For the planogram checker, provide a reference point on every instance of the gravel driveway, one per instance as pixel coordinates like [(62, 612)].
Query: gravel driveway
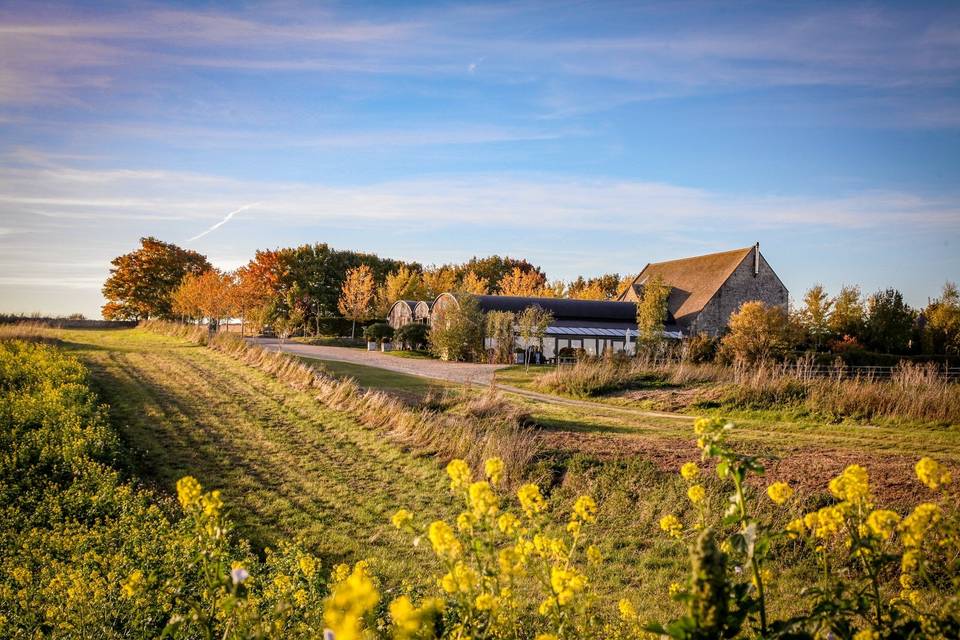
[(459, 372)]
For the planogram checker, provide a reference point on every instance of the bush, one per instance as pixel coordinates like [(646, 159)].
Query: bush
[(379, 332), (413, 335), (457, 330)]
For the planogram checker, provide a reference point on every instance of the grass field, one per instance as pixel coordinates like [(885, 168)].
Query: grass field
[(291, 468), (288, 467), (408, 387)]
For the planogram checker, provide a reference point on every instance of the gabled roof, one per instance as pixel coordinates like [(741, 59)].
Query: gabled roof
[(693, 281)]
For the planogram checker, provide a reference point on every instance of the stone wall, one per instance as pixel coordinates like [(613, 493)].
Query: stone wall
[(742, 286)]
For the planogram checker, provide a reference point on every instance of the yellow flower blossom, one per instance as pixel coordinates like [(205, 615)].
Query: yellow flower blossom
[(910, 561), (852, 485), (340, 573), (675, 588), (696, 494), (484, 602), (779, 492), (188, 491), (825, 522), (493, 468), (445, 543), (508, 524), (566, 583), (628, 613), (308, 565), (932, 473), (351, 600), (585, 509), (882, 523), (593, 555), (402, 519), (546, 636), (461, 578), (671, 524), (531, 499), (459, 473), (483, 501), (689, 471), (466, 521), (133, 584), (916, 525), (866, 634), (796, 528)]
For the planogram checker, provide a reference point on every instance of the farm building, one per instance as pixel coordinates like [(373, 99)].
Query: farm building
[(401, 313), (706, 290), (591, 325), (421, 313)]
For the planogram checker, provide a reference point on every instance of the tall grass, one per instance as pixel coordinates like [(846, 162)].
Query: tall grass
[(486, 427), (914, 392)]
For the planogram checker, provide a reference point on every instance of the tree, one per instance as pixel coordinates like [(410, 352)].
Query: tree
[(286, 324), (494, 268), (413, 335), (555, 289), (472, 283), (889, 322), (652, 314), (403, 284), (500, 330), (356, 298), (758, 333), (532, 326), (379, 332), (522, 283), (815, 315), (206, 295), (437, 280), (942, 333), (602, 287), (457, 330), (141, 283), (848, 316)]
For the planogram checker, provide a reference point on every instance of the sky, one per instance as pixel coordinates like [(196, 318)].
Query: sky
[(587, 137)]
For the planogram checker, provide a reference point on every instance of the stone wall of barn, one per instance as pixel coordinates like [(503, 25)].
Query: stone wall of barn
[(742, 286)]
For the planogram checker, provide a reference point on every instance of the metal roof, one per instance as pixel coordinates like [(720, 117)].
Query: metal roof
[(563, 308), (601, 332)]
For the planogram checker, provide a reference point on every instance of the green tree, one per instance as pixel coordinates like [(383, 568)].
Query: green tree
[(758, 333), (889, 322), (141, 283), (457, 330), (942, 334), (500, 329), (652, 314), (532, 325), (849, 315), (815, 314)]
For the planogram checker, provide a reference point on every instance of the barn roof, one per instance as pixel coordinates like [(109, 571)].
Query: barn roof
[(693, 281), (564, 309), (412, 304)]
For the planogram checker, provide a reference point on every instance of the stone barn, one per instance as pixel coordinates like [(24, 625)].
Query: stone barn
[(401, 313), (706, 290)]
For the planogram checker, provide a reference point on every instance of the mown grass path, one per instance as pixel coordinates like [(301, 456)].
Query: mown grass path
[(287, 466)]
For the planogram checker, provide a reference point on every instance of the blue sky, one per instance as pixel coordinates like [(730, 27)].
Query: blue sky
[(588, 137)]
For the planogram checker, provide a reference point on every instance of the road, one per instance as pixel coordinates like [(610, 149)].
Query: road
[(457, 372)]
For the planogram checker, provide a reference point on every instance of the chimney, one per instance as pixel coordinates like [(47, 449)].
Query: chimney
[(756, 260)]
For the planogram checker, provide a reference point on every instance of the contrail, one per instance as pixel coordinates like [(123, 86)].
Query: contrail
[(224, 221)]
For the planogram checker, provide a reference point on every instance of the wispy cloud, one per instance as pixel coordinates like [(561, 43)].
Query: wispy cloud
[(225, 220)]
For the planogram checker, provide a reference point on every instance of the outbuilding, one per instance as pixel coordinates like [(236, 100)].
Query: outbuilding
[(401, 313)]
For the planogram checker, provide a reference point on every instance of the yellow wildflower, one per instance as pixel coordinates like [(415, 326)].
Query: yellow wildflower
[(459, 473), (671, 524), (593, 555), (531, 499), (866, 634), (825, 522), (689, 470), (675, 588), (188, 491), (573, 528), (779, 492), (915, 526), (348, 604), (585, 509), (696, 493), (508, 523), (465, 522), (461, 578), (545, 636), (133, 584), (308, 565), (851, 485), (211, 504), (483, 500), (493, 468), (402, 519), (796, 528), (628, 612), (445, 543), (910, 561), (566, 584), (484, 602), (882, 523), (340, 573), (932, 473)]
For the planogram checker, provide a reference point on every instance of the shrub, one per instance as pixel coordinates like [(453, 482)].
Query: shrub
[(379, 332), (758, 333), (457, 330), (413, 335)]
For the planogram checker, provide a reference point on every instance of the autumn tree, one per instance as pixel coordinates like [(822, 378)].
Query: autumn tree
[(943, 322), (889, 322), (815, 314), (758, 333), (849, 315), (554, 289), (437, 280), (141, 283), (522, 283), (403, 284), (494, 268), (356, 297), (602, 287), (532, 324), (207, 295), (472, 283), (652, 314)]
